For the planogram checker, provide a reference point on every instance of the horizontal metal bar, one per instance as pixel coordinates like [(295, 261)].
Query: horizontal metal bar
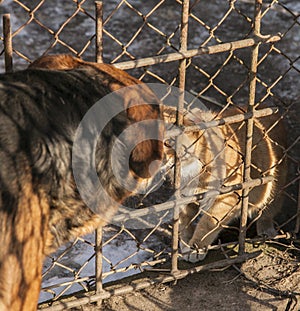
[(226, 120), (106, 274), (67, 283), (63, 305), (256, 240), (224, 47), (144, 265), (133, 214)]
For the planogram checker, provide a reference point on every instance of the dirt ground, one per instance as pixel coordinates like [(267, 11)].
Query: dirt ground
[(271, 281), (224, 290)]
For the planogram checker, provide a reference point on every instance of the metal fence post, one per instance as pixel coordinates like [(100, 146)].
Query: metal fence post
[(99, 231), (179, 123), (7, 43), (249, 129), (297, 225), (99, 31)]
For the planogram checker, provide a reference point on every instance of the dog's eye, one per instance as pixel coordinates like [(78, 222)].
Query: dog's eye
[(168, 143)]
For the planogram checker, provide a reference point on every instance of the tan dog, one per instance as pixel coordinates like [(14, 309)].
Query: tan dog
[(214, 158), (40, 207)]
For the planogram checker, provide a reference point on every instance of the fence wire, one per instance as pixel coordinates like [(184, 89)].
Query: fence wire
[(239, 55)]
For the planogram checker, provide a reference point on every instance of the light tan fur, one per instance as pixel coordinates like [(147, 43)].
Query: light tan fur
[(220, 152)]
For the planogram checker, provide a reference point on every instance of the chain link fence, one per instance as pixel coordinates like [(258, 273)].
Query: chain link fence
[(236, 53)]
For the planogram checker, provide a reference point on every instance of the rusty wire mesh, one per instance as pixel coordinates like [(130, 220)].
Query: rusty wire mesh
[(218, 56)]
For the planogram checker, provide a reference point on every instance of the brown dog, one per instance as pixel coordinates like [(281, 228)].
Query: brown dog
[(40, 207)]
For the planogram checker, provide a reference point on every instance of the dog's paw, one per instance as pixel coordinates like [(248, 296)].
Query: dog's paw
[(192, 255)]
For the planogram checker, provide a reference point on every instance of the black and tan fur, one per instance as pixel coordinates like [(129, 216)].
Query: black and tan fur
[(40, 207)]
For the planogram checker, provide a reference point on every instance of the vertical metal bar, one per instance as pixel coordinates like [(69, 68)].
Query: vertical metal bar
[(179, 122), (99, 31), (99, 231), (250, 123), (8, 51), (99, 262), (297, 226)]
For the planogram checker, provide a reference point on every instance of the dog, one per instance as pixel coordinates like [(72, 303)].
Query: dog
[(213, 158), (40, 205)]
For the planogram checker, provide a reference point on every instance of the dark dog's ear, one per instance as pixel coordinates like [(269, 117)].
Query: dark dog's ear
[(141, 104)]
